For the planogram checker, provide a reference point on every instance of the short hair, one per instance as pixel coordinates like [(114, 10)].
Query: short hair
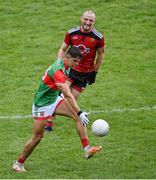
[(74, 52), (90, 12)]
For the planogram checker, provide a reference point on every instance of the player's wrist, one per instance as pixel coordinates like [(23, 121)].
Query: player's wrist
[(79, 113)]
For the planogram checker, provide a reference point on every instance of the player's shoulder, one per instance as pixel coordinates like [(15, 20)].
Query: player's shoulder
[(97, 33), (73, 30)]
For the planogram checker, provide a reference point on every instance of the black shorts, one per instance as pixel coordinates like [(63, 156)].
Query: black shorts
[(79, 80)]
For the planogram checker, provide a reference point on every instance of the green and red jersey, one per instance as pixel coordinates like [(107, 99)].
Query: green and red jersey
[(48, 91)]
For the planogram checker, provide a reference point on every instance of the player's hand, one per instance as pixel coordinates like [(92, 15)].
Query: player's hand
[(92, 77), (83, 117)]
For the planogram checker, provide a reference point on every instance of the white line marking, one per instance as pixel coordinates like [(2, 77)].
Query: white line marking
[(118, 110), (16, 117), (107, 111)]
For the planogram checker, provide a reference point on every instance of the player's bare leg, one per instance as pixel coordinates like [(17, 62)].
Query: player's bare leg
[(65, 109), (38, 132), (76, 94)]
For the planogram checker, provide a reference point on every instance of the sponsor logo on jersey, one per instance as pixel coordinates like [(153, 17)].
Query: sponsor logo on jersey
[(83, 49)]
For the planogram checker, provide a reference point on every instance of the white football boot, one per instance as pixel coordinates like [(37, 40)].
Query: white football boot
[(18, 167)]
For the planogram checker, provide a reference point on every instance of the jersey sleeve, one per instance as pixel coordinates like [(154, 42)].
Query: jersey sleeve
[(101, 43), (67, 39), (59, 76)]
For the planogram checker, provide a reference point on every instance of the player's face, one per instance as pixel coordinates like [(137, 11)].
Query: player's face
[(87, 22), (72, 62)]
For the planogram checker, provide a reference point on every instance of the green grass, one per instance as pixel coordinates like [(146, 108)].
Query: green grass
[(31, 33)]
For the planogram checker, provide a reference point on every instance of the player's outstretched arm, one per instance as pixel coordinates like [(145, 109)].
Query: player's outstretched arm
[(64, 88)]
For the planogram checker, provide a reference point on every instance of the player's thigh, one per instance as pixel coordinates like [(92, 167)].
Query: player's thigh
[(64, 109), (38, 127)]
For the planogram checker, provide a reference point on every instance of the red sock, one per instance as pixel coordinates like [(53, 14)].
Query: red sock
[(48, 123), (85, 142), (20, 160)]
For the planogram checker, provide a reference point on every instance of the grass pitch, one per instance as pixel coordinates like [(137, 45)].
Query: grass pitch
[(31, 33)]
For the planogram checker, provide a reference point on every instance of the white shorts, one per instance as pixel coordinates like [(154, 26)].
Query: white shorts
[(46, 112)]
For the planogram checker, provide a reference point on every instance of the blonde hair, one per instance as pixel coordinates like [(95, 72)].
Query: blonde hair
[(89, 12)]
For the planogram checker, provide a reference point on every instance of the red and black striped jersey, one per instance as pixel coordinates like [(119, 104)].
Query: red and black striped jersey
[(88, 43)]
